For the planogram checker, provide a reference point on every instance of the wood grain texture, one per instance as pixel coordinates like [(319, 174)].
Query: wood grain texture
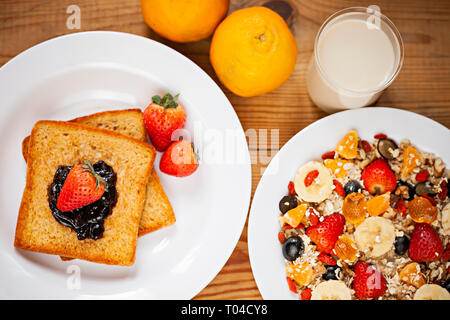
[(423, 85)]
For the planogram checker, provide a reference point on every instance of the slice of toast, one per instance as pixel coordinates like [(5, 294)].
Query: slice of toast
[(56, 143), (158, 212)]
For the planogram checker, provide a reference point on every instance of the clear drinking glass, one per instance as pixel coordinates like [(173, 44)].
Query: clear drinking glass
[(358, 52)]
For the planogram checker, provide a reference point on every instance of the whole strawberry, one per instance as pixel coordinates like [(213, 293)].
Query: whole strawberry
[(82, 186), (378, 177), (179, 159), (368, 282), (425, 244), (161, 118), (325, 233)]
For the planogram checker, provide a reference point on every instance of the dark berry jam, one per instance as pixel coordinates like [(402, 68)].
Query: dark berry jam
[(87, 221)]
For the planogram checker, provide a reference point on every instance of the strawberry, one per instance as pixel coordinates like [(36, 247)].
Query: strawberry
[(378, 177), (291, 188), (425, 244), (446, 254), (82, 186), (179, 159), (368, 282), (326, 259), (161, 118), (325, 233)]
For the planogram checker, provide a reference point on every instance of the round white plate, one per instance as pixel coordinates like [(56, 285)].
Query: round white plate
[(266, 259), (82, 73)]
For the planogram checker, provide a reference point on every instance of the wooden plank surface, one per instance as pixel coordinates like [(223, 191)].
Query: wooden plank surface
[(423, 85)]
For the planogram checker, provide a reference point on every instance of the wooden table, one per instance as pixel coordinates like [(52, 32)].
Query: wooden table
[(423, 85)]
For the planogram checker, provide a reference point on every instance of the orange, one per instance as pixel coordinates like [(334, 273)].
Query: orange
[(354, 208), (337, 167), (421, 210), (411, 274), (184, 20), (302, 274), (411, 160), (294, 216), (378, 204), (345, 248), (253, 51), (348, 147)]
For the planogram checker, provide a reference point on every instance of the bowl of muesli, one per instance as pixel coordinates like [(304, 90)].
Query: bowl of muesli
[(354, 207)]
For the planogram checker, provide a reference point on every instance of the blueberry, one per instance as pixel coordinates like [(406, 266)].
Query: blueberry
[(411, 189), (331, 273), (352, 186), (401, 245), (293, 248), (287, 203), (446, 284)]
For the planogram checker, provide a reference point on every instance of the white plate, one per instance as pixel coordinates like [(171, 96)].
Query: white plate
[(266, 259), (82, 73)]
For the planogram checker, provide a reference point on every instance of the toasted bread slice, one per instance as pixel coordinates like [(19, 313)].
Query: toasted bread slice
[(158, 212), (56, 143)]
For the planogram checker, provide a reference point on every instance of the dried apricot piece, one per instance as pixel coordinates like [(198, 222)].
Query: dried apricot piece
[(294, 216), (411, 160), (302, 274), (347, 148), (345, 248), (379, 204), (421, 210), (337, 167), (354, 208), (411, 274)]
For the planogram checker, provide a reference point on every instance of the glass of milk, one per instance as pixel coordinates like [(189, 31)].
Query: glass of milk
[(358, 52)]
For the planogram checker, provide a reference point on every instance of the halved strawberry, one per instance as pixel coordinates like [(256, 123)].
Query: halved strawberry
[(161, 118), (425, 244), (179, 159), (82, 186), (378, 177), (325, 233), (368, 282)]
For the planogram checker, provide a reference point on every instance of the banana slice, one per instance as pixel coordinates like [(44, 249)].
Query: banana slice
[(321, 187), (375, 236), (431, 292), (446, 219), (331, 290)]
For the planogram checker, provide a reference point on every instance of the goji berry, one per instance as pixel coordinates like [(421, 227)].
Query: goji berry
[(401, 208), (339, 188), (444, 191), (291, 285), (422, 175), (429, 198), (366, 146), (309, 179), (281, 237), (291, 188), (328, 155), (306, 294), (313, 219), (380, 136)]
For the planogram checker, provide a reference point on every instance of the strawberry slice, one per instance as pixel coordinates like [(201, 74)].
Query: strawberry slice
[(325, 233), (425, 244), (378, 177), (82, 186), (179, 159)]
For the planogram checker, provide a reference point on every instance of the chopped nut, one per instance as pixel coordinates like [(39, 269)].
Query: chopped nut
[(439, 167)]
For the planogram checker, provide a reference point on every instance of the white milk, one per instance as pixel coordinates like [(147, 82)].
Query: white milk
[(354, 61)]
